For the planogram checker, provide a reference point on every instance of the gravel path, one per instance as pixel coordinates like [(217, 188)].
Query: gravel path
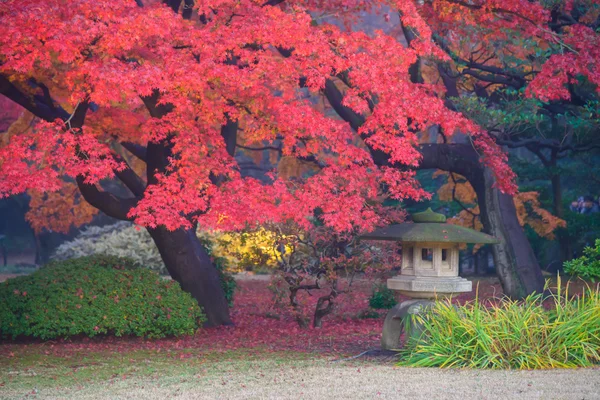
[(347, 380)]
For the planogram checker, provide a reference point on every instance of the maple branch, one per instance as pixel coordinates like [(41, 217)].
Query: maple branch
[(188, 8), (411, 34), (229, 134), (136, 149), (173, 4), (129, 178), (497, 71), (335, 98), (47, 98), (156, 110), (493, 78), (548, 144), (259, 148), (108, 203), (76, 120), (272, 3), (38, 108), (157, 154)]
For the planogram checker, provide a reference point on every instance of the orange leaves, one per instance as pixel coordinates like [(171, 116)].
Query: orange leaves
[(58, 211), (290, 167), (457, 187), (529, 210), (531, 213)]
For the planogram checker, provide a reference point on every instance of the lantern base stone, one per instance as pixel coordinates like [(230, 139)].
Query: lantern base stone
[(400, 318), (424, 287)]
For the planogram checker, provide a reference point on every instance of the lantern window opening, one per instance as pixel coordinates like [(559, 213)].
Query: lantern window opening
[(427, 255)]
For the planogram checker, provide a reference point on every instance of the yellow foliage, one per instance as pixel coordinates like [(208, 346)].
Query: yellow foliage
[(19, 126), (469, 219), (289, 167), (246, 250)]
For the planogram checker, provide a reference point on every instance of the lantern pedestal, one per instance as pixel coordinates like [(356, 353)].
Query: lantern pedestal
[(425, 287)]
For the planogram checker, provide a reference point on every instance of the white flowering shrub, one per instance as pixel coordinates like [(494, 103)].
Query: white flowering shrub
[(122, 239)]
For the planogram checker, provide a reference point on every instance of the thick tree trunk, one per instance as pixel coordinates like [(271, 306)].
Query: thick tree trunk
[(515, 261), (189, 264)]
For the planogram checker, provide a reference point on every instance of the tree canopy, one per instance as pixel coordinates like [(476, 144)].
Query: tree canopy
[(179, 90)]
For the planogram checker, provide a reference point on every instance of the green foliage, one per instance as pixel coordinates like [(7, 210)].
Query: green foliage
[(95, 295), (382, 298), (511, 334), (126, 240), (582, 229), (588, 265)]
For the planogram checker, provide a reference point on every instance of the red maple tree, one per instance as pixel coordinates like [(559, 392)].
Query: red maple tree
[(179, 85)]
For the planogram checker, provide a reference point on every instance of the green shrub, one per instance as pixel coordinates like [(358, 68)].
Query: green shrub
[(588, 265), (520, 335), (382, 298), (95, 295)]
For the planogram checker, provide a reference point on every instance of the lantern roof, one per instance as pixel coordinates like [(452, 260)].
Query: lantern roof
[(430, 226)]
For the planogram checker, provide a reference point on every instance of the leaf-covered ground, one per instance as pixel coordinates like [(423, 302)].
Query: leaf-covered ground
[(258, 324)]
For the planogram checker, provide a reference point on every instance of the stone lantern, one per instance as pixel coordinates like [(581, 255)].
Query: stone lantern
[(429, 267)]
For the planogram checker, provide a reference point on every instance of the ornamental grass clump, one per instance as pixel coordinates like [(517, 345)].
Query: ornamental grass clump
[(536, 333), (95, 295)]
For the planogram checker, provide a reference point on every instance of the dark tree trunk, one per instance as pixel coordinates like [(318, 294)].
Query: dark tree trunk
[(190, 265), (566, 249), (516, 264), (557, 196)]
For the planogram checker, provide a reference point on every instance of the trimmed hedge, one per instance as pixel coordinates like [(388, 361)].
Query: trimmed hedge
[(96, 295)]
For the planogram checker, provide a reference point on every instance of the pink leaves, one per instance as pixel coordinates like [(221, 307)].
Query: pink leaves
[(580, 57), (36, 159), (244, 64)]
